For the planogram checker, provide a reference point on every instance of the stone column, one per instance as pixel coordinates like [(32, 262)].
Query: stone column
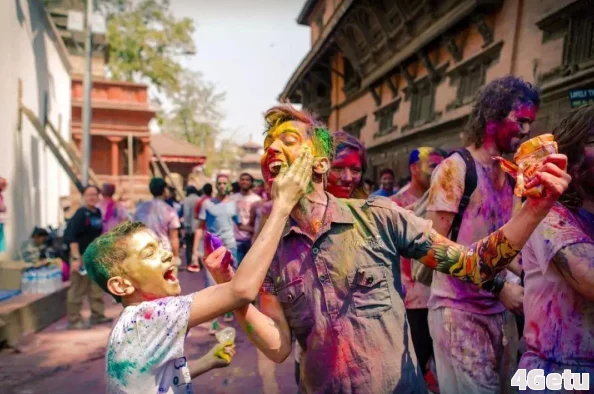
[(144, 159), (115, 155)]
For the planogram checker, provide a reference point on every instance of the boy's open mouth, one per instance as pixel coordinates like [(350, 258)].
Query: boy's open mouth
[(274, 167), (170, 275)]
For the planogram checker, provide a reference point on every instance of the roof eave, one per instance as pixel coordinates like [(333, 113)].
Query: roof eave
[(308, 7)]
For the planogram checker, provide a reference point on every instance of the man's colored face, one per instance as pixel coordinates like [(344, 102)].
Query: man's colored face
[(245, 183), (149, 267), (282, 146), (387, 182), (223, 185), (345, 173), (511, 132), (91, 197), (3, 184), (425, 167)]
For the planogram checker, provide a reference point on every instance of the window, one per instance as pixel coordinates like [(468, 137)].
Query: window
[(355, 128), (421, 108), (579, 45), (351, 80), (385, 118)]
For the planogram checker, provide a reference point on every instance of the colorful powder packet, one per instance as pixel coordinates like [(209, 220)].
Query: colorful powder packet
[(212, 243), (226, 337), (527, 161)]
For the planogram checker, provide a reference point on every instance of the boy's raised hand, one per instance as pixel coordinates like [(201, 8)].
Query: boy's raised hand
[(220, 270)]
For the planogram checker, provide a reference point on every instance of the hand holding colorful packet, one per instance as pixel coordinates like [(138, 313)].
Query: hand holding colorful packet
[(212, 243), (527, 161)]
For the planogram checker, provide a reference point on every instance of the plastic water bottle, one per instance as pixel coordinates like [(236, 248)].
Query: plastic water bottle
[(25, 283)]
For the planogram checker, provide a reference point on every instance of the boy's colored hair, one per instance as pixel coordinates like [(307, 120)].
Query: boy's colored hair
[(321, 137), (104, 256)]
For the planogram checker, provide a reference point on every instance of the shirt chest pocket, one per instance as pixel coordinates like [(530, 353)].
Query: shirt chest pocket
[(294, 303), (371, 295)]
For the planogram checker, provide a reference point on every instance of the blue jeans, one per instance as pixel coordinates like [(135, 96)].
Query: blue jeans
[(209, 280), (242, 248)]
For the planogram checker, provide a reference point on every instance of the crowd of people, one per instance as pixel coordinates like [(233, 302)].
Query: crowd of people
[(432, 285)]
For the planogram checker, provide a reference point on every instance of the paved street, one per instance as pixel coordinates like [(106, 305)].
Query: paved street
[(65, 362)]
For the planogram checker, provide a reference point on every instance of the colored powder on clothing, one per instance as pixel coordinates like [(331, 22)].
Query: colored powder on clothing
[(119, 369)]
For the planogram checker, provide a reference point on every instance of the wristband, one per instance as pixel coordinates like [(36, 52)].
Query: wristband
[(75, 258), (494, 285)]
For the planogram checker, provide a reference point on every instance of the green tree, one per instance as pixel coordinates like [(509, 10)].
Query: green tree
[(147, 42), (193, 112)]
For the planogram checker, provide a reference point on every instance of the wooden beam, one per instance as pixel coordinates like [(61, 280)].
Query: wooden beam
[(377, 94), (452, 47), (57, 154), (483, 28), (167, 172), (392, 86)]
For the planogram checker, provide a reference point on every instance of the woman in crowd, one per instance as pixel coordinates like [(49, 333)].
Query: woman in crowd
[(558, 263), (345, 179), (83, 228), (112, 212)]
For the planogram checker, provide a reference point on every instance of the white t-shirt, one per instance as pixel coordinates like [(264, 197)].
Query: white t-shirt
[(244, 205), (145, 353)]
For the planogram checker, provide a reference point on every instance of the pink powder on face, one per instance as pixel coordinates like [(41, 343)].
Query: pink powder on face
[(345, 174)]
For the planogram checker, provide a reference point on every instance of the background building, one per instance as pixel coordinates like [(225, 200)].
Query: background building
[(250, 161), (34, 73), (399, 74)]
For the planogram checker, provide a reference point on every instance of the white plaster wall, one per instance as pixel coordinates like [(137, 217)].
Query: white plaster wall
[(30, 52)]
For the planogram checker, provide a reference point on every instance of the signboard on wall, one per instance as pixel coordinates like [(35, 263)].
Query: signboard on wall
[(579, 97)]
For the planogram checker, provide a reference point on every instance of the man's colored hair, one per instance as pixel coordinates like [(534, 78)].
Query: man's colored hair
[(157, 186), (423, 153), (494, 102), (321, 137), (104, 256)]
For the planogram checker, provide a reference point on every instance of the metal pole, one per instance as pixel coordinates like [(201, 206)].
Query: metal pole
[(88, 83)]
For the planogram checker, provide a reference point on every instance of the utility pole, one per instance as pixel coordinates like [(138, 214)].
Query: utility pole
[(88, 83)]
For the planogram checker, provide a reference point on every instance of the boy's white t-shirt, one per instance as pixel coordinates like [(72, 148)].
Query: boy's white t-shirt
[(145, 353)]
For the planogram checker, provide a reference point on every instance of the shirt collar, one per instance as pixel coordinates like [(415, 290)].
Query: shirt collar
[(337, 211)]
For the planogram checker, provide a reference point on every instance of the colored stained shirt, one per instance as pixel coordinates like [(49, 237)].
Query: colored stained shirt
[(190, 221), (220, 219), (342, 297), (160, 218), (113, 213), (145, 353), (559, 327), (31, 252), (489, 209), (244, 205), (416, 294)]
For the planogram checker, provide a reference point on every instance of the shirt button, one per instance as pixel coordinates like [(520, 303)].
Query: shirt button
[(290, 297), (323, 278), (370, 280), (315, 250)]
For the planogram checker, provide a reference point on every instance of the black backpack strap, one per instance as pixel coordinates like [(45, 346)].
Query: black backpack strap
[(470, 183)]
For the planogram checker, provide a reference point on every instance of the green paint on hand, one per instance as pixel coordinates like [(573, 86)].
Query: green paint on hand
[(249, 328), (119, 370)]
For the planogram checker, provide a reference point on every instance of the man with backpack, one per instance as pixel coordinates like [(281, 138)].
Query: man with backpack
[(475, 338)]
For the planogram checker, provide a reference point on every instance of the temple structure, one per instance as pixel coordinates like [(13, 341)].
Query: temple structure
[(250, 161)]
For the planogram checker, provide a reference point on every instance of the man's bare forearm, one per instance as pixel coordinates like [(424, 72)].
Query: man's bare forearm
[(264, 333), (175, 243), (200, 366)]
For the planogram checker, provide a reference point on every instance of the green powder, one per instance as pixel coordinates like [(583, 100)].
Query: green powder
[(249, 328), (119, 369)]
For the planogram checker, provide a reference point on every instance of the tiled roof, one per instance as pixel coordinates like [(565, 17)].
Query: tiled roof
[(168, 145)]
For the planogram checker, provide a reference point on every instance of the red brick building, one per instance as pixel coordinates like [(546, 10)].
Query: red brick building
[(400, 74)]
